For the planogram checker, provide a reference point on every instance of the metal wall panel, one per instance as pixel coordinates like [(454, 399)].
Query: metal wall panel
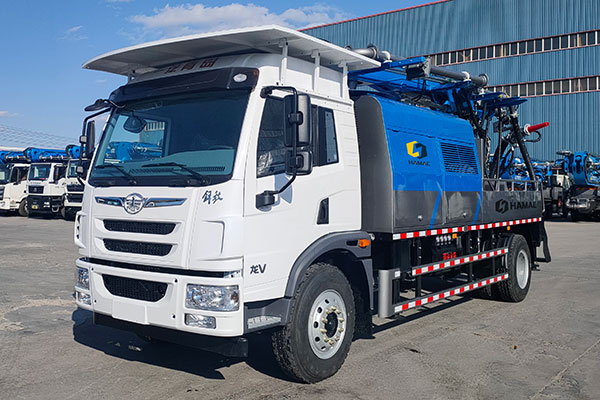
[(458, 24)]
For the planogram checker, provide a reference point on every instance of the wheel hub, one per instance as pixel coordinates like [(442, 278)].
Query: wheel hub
[(327, 324), (522, 269)]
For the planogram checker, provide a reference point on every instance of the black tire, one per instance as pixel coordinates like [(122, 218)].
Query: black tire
[(515, 288), (292, 344), (64, 213), (23, 211), (575, 215)]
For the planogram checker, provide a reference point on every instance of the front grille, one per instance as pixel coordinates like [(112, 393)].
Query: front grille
[(135, 288), (153, 228), (36, 189), (75, 198), (1, 192), (126, 246), (74, 188)]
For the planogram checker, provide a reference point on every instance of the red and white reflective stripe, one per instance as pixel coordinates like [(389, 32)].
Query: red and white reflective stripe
[(449, 293), (506, 223), (457, 261), (434, 232)]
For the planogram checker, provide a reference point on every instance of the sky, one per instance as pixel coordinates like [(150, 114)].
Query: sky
[(44, 43)]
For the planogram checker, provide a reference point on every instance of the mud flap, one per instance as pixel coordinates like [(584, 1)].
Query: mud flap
[(544, 239)]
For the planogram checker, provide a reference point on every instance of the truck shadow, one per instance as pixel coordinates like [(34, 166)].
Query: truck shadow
[(128, 346)]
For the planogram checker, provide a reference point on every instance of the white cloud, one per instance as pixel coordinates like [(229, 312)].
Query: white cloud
[(195, 18), (74, 33), (7, 114)]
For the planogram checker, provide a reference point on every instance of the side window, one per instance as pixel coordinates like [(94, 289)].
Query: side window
[(325, 151), (59, 172), (270, 155)]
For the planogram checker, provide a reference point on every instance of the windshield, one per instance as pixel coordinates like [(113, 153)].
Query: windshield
[(4, 174), (173, 140), (72, 171), (39, 172)]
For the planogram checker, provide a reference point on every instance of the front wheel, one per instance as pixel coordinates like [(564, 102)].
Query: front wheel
[(518, 265), (316, 340), (23, 212)]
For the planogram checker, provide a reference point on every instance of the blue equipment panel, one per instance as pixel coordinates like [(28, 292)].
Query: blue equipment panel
[(419, 168)]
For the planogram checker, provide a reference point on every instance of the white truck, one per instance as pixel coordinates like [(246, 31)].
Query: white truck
[(74, 191), (13, 183), (46, 181), (241, 186)]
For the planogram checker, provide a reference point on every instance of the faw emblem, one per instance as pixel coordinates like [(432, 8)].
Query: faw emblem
[(416, 149), (134, 203)]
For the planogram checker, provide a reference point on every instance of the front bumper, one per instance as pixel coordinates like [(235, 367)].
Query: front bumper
[(168, 312), (9, 205), (227, 346), (582, 205), (44, 204)]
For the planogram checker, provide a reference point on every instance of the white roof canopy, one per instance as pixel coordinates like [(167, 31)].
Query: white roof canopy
[(265, 39)]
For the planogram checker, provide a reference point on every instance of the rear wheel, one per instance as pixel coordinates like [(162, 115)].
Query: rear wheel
[(316, 340), (23, 212), (518, 265)]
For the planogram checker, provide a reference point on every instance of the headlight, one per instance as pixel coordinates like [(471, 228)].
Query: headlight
[(82, 278), (213, 298)]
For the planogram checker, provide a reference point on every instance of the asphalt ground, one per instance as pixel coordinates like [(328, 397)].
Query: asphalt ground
[(547, 347)]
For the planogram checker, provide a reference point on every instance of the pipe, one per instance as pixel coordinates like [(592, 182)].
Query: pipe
[(373, 52)]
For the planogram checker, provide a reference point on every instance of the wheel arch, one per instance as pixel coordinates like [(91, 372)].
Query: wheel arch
[(341, 250)]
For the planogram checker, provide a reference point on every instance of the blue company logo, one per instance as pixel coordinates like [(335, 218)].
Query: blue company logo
[(417, 150)]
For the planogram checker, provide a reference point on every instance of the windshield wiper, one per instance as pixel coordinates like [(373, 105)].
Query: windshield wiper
[(202, 178), (130, 177)]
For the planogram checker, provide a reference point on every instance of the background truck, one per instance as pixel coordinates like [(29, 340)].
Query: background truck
[(46, 181), (277, 183), (583, 198), (14, 167), (555, 182), (73, 185)]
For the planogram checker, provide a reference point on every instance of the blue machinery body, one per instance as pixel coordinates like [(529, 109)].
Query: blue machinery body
[(584, 196), (584, 167), (10, 157), (424, 143)]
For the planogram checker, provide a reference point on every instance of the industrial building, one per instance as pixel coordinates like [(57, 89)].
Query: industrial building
[(545, 50)]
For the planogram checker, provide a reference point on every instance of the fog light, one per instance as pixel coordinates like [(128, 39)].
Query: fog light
[(82, 278), (84, 298), (200, 321)]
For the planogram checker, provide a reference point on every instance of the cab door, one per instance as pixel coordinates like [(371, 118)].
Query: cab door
[(314, 204)]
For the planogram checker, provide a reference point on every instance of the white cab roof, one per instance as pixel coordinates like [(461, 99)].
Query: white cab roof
[(265, 39)]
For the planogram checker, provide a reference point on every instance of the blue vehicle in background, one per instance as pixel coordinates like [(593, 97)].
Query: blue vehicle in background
[(584, 171)]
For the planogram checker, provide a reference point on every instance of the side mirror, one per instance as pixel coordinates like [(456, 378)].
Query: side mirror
[(298, 134), (82, 168), (87, 141), (90, 139), (298, 126)]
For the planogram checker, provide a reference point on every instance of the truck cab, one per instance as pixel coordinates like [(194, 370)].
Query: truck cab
[(46, 184), (239, 186), (74, 191), (13, 187)]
